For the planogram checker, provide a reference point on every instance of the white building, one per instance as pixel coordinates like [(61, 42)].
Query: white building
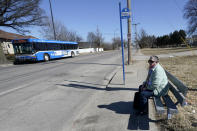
[(6, 41), (7, 47)]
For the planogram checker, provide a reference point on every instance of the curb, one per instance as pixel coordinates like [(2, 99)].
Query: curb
[(109, 77), (5, 65)]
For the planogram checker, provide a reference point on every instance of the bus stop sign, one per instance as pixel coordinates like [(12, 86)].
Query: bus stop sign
[(125, 14)]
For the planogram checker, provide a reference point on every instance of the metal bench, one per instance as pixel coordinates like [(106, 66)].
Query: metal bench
[(179, 90)]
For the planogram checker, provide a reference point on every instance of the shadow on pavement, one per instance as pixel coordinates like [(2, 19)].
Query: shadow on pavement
[(94, 64), (82, 82), (119, 107), (120, 88), (79, 86), (135, 121), (138, 122)]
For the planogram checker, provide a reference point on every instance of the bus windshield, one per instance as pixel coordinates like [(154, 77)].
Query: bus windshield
[(23, 48)]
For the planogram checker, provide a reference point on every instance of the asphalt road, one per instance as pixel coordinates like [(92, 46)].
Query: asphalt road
[(47, 96)]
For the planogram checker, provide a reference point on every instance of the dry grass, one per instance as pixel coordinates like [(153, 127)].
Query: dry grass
[(157, 51), (185, 69)]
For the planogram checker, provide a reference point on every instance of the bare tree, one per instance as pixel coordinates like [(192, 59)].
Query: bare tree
[(18, 14), (145, 40), (73, 36), (95, 39), (142, 42), (99, 38), (62, 33), (190, 13), (91, 39), (116, 42)]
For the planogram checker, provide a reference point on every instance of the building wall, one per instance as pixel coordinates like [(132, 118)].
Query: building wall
[(90, 50), (7, 47)]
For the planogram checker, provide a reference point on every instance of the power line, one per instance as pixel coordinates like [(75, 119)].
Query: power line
[(178, 7)]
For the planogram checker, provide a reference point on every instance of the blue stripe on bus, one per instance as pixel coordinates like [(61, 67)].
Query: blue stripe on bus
[(48, 41), (51, 41)]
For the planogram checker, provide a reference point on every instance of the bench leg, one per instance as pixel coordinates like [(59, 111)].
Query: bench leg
[(169, 115)]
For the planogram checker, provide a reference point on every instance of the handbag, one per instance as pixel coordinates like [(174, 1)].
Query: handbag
[(136, 102)]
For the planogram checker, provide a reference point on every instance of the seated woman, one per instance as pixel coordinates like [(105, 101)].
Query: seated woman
[(156, 84)]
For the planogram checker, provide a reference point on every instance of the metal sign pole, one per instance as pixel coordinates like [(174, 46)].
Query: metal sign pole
[(122, 43)]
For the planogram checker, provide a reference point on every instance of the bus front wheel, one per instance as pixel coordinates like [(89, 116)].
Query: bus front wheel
[(46, 57)]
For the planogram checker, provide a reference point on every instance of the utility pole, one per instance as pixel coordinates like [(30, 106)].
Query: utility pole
[(52, 20), (129, 32), (136, 33)]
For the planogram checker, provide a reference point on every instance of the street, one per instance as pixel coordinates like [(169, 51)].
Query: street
[(47, 95)]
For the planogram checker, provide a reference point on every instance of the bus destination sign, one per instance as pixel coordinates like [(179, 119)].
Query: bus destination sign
[(19, 41)]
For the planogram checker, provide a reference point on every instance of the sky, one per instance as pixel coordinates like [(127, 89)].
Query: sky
[(156, 17)]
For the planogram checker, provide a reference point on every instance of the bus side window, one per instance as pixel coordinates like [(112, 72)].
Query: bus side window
[(35, 45), (76, 46), (65, 46), (41, 46), (45, 46), (52, 45), (56, 46), (61, 46), (48, 46), (69, 46)]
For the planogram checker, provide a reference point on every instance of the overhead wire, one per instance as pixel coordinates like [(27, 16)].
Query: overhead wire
[(172, 26), (178, 7), (188, 62)]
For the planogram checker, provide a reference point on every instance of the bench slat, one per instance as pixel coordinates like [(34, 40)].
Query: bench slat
[(158, 105), (172, 109), (179, 96), (181, 87)]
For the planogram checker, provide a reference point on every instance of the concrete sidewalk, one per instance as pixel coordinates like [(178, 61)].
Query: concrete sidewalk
[(111, 109)]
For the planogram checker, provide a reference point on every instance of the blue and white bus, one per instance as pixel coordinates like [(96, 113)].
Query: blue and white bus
[(43, 50)]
